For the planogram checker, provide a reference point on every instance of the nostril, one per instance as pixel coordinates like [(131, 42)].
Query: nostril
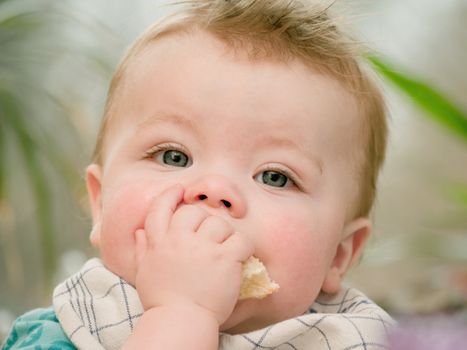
[(226, 203)]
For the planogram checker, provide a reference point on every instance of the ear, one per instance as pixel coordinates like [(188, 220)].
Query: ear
[(93, 184), (349, 250)]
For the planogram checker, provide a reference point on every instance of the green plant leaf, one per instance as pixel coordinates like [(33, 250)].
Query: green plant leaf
[(437, 106)]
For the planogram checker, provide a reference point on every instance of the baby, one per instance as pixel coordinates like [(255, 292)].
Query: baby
[(232, 129)]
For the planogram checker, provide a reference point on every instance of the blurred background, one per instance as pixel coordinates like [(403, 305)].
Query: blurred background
[(56, 60)]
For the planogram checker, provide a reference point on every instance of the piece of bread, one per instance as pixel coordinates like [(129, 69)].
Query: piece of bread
[(255, 280)]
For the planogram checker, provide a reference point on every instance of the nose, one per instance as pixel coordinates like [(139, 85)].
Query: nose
[(216, 191)]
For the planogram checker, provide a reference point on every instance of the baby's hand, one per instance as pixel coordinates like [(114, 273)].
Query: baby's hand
[(188, 258)]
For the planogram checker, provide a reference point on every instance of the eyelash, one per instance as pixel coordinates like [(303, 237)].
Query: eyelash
[(173, 147), (164, 147), (284, 172)]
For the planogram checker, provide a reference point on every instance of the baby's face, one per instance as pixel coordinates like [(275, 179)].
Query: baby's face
[(268, 146)]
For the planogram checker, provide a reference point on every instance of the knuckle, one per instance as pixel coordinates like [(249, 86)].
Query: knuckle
[(244, 241), (189, 209), (216, 220), (155, 204), (197, 210)]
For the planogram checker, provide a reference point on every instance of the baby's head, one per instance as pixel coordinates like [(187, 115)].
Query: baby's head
[(262, 112)]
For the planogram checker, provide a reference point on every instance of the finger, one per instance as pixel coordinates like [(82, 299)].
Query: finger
[(215, 229), (239, 246), (187, 219), (161, 211), (140, 246)]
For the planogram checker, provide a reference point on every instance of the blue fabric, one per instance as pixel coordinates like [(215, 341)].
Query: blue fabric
[(37, 330)]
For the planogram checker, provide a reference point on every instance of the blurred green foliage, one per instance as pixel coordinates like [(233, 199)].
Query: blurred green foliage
[(20, 129), (42, 145), (435, 105)]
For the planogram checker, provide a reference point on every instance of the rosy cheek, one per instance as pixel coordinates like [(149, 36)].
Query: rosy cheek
[(124, 211), (296, 253)]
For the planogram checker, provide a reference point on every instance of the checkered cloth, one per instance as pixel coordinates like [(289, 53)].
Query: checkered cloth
[(98, 310)]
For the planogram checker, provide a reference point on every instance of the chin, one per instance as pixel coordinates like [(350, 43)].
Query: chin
[(237, 318), (243, 319)]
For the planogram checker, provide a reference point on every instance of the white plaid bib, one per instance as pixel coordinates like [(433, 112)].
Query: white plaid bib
[(98, 310)]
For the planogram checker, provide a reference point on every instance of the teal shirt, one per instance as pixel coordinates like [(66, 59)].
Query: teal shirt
[(37, 330)]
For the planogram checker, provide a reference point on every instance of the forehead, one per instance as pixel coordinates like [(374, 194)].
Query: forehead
[(194, 74)]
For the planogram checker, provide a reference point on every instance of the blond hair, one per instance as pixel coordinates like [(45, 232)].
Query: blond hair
[(279, 30)]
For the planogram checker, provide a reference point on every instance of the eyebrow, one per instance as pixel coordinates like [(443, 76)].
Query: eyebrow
[(166, 118), (180, 120), (288, 143)]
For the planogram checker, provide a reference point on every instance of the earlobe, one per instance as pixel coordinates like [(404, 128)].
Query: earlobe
[(95, 235), (93, 184), (349, 250)]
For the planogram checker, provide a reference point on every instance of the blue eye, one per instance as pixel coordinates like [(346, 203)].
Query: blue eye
[(273, 178), (169, 155), (175, 158)]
